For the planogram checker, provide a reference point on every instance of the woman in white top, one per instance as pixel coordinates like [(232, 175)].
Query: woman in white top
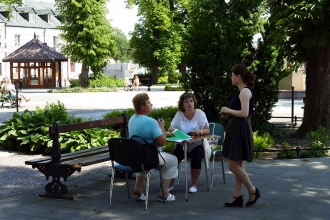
[(10, 89), (193, 121)]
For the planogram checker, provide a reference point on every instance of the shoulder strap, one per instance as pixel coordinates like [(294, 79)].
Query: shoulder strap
[(137, 136), (179, 118), (198, 117)]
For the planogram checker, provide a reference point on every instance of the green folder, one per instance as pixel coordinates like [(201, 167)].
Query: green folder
[(179, 136)]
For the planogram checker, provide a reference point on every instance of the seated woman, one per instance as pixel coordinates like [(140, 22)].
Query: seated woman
[(190, 120), (136, 82), (9, 88), (146, 127)]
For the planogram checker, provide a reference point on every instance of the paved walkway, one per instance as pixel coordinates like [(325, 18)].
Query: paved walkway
[(290, 189)]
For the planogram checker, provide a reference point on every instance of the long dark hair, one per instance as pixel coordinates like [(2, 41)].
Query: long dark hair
[(247, 77)]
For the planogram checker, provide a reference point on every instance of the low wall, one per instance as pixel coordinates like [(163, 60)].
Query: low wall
[(287, 94)]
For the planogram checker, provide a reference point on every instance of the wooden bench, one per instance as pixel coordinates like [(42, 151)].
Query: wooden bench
[(11, 101), (145, 82), (60, 165)]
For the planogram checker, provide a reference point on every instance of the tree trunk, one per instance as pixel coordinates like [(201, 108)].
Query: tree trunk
[(154, 78), (317, 102), (183, 68), (83, 78)]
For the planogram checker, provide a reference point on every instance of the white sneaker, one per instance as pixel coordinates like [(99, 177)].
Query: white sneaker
[(170, 188), (192, 189)]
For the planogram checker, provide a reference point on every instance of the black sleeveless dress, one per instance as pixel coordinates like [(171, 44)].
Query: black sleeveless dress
[(238, 143)]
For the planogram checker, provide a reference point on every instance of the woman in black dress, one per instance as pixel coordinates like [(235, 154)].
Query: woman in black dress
[(238, 143)]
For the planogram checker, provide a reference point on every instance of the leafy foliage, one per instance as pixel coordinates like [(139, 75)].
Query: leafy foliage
[(261, 142), (122, 46), (87, 34), (74, 83), (287, 154), (268, 64), (301, 28), (317, 140), (219, 36), (29, 132), (103, 80), (156, 40)]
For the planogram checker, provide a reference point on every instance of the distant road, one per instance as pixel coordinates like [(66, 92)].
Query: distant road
[(96, 104)]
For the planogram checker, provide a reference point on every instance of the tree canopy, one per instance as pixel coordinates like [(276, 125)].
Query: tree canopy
[(219, 36), (301, 28), (122, 46), (156, 39), (87, 34)]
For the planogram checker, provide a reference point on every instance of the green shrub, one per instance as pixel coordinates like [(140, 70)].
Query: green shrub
[(261, 142), (170, 87), (74, 83), (163, 80), (80, 89), (29, 132), (316, 140), (287, 154), (104, 80)]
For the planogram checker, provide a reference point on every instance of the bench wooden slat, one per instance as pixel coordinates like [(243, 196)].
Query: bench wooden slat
[(70, 156), (91, 151), (80, 163), (34, 161), (85, 125)]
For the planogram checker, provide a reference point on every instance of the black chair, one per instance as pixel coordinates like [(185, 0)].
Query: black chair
[(130, 156)]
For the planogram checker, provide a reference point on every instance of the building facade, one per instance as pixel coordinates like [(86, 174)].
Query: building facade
[(35, 19)]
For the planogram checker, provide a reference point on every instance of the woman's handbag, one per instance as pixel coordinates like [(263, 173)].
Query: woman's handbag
[(150, 153), (207, 149)]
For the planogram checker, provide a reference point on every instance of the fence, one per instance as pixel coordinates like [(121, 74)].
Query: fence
[(293, 117), (298, 149)]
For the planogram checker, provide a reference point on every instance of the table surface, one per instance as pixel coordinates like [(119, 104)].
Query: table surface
[(194, 138)]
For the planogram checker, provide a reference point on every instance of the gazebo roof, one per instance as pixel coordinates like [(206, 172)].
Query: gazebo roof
[(35, 51)]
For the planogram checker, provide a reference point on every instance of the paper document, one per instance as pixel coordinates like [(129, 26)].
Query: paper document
[(179, 136)]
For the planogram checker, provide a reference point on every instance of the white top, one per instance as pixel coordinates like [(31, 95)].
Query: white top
[(187, 126), (10, 87)]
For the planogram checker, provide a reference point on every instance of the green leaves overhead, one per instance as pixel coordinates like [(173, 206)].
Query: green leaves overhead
[(157, 38), (300, 25), (219, 36), (87, 34)]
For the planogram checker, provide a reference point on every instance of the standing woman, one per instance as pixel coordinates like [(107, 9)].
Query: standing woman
[(238, 143)]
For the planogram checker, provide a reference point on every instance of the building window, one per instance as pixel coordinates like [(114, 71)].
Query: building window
[(55, 41), (17, 40), (50, 17), (32, 17)]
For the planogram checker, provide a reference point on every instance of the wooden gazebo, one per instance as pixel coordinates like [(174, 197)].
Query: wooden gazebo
[(36, 65)]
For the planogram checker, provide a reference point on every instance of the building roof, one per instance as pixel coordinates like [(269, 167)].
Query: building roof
[(39, 7), (35, 51)]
